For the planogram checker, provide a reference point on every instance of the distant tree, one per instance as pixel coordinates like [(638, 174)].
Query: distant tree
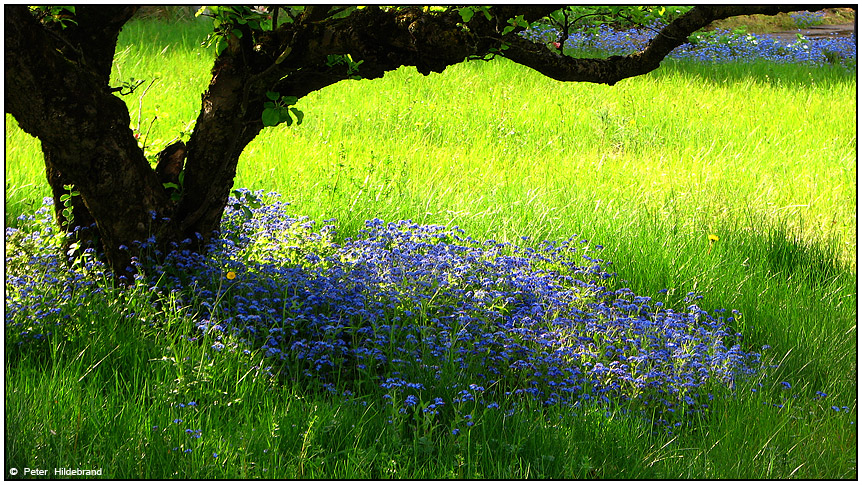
[(58, 65)]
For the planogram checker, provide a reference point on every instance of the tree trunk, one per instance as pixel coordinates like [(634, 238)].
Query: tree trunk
[(97, 30), (223, 129), (84, 129)]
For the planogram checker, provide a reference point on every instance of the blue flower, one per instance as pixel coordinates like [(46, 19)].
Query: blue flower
[(401, 304), (716, 46)]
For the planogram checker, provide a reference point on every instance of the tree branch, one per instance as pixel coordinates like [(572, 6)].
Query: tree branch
[(95, 34), (315, 13), (616, 68)]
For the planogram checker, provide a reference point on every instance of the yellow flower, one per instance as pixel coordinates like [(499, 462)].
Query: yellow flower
[(712, 238), (231, 275)]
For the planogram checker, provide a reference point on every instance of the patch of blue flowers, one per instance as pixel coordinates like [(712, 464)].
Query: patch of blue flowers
[(715, 46), (418, 316), (806, 19)]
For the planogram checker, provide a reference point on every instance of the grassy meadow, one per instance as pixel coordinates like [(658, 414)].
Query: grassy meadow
[(761, 155)]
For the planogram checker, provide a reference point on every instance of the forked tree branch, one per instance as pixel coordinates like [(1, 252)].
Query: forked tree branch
[(616, 68)]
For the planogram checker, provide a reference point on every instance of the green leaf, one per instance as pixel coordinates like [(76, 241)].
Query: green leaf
[(289, 100), (269, 104), (237, 33), (272, 95), (284, 115), (466, 14), (299, 115), (270, 117)]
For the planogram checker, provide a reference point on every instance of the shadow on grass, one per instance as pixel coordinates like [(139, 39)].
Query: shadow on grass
[(786, 255), (773, 74)]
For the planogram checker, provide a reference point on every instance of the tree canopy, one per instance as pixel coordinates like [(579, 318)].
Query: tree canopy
[(107, 195)]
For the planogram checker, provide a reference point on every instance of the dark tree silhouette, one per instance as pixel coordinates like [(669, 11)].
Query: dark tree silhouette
[(57, 88)]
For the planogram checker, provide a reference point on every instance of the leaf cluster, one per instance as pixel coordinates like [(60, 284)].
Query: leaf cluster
[(62, 15), (228, 19), (245, 201), (346, 59), (176, 189), (617, 16), (278, 109), (66, 199)]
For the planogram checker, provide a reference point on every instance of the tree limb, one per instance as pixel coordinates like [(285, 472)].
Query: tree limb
[(616, 68)]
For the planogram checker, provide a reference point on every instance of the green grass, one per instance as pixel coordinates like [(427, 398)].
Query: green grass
[(763, 156)]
